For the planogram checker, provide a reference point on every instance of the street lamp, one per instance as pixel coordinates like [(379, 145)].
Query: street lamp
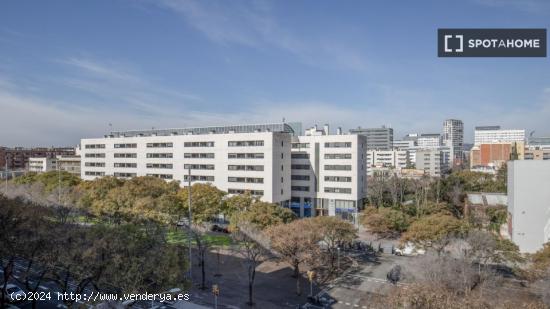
[(310, 276), (190, 222), (216, 292), (338, 249)]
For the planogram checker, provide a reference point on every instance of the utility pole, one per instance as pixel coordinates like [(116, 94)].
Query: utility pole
[(58, 183), (190, 224), (6, 174)]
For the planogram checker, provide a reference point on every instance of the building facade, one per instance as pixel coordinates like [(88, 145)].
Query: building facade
[(434, 162), (489, 135), (235, 159), (18, 158), (377, 138), (429, 140), (70, 164), (40, 165), (529, 203), (328, 175), (453, 136)]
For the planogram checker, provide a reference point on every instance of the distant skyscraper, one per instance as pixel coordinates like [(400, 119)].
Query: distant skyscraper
[(377, 138), (453, 136)]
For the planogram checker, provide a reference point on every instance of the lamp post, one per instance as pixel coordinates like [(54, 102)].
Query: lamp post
[(216, 292), (310, 276), (190, 224), (338, 249)]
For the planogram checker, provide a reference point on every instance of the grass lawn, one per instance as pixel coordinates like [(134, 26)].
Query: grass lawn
[(180, 237)]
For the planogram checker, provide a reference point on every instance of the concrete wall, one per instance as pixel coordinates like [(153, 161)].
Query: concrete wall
[(529, 203)]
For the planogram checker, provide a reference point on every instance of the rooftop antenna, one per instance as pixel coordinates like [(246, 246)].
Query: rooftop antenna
[(110, 127), (531, 134), (283, 119)]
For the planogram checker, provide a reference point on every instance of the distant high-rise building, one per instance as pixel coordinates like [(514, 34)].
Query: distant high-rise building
[(493, 134), (453, 136), (377, 138), (429, 140)]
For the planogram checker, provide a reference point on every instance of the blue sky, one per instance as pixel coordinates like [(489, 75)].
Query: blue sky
[(69, 68)]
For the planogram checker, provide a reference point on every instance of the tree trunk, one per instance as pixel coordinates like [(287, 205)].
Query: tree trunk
[(203, 284), (297, 275)]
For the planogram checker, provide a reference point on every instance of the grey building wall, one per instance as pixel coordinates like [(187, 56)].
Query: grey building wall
[(529, 203), (377, 138)]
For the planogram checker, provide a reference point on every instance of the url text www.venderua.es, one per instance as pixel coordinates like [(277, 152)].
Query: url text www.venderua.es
[(100, 297)]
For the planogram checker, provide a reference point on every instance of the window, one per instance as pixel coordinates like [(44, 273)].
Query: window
[(188, 155), (159, 165), (300, 188), (299, 177), (162, 176), (245, 143), (129, 165), (160, 155), (160, 145), (125, 145), (94, 155), (245, 167), (95, 164), (299, 155), (243, 191), (338, 190), (337, 179), (198, 178), (245, 179), (245, 155), (300, 166), (337, 155), (198, 144), (125, 155), (90, 173), (338, 167), (338, 145), (300, 145), (199, 166), (94, 146), (125, 175)]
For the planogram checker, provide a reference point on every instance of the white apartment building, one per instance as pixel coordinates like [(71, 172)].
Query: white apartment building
[(328, 175), (489, 135), (429, 141), (397, 159), (70, 164), (453, 136), (403, 144), (235, 159), (40, 165), (529, 203)]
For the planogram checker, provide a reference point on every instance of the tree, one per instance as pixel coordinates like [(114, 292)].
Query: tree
[(295, 243), (436, 231), (334, 233), (207, 201), (261, 215), (385, 221), (541, 261), (252, 253)]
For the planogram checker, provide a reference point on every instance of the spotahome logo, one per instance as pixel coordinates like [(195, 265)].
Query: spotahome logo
[(491, 42)]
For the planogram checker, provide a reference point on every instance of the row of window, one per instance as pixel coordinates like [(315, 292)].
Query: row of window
[(125, 175), (185, 144), (185, 155), (245, 167), (337, 155), (198, 178), (245, 179), (337, 179), (162, 176), (245, 143), (299, 155), (243, 191), (338, 145), (338, 190), (299, 177)]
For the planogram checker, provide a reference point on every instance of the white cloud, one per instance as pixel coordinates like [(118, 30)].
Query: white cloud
[(254, 25)]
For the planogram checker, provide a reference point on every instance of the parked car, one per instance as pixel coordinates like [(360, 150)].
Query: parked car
[(217, 228), (409, 249), (15, 293)]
